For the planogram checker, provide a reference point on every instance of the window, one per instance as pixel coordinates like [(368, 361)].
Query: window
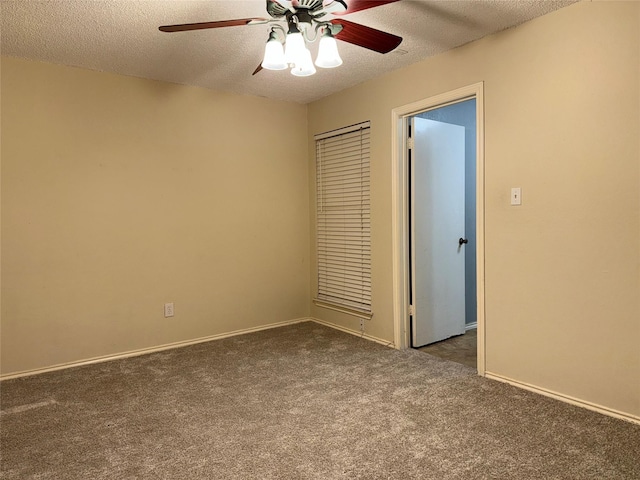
[(343, 233)]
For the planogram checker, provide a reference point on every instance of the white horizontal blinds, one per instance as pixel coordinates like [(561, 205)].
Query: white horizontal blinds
[(344, 218)]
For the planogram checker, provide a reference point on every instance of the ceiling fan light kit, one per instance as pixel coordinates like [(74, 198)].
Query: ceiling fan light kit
[(305, 25), (295, 53)]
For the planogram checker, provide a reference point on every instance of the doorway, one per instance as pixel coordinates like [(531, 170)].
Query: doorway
[(449, 269)]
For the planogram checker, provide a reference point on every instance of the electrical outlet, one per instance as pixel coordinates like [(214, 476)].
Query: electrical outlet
[(362, 324), (168, 310)]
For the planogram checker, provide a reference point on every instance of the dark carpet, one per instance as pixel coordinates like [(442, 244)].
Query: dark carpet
[(299, 402)]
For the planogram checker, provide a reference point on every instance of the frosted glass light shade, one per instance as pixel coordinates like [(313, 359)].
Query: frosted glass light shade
[(305, 67), (294, 48), (328, 56), (274, 55)]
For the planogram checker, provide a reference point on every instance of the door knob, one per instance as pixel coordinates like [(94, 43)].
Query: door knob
[(462, 240)]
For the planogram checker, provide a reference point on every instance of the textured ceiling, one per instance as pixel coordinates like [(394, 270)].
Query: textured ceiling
[(122, 36)]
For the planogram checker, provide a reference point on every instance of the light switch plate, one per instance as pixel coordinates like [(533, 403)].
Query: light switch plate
[(516, 196)]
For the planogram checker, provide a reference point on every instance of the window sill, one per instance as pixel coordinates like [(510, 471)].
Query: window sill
[(343, 309)]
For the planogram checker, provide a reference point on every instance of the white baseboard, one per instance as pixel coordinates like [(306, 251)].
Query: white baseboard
[(470, 326), (145, 351), (566, 398), (357, 333)]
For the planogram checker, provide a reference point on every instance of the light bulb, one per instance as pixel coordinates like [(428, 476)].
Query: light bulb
[(328, 56), (305, 67), (294, 48), (274, 54)]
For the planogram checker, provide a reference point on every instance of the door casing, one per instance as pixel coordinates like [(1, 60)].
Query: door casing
[(400, 211)]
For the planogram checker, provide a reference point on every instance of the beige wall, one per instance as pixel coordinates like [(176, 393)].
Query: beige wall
[(121, 194), (562, 121)]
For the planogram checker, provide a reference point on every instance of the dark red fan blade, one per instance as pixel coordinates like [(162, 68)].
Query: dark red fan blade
[(367, 37), (199, 26), (259, 67), (357, 5)]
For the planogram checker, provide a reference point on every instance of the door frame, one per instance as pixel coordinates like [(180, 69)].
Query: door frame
[(400, 211)]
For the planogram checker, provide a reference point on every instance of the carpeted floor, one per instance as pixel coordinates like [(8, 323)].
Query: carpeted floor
[(299, 402), (460, 349)]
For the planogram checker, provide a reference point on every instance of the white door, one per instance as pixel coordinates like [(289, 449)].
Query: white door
[(437, 186)]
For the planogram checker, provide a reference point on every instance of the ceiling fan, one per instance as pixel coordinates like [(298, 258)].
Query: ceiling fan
[(306, 22)]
